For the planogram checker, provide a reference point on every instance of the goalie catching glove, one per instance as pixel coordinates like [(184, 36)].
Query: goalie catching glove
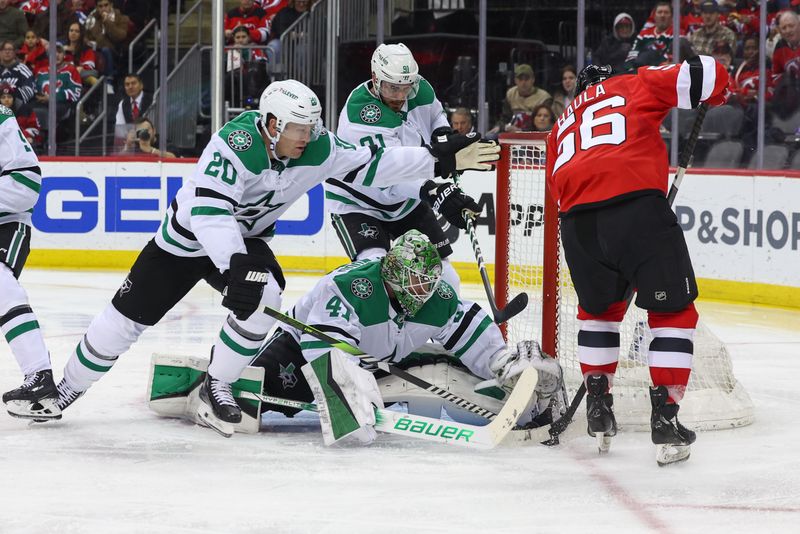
[(246, 280), (346, 397), (450, 201), (459, 152)]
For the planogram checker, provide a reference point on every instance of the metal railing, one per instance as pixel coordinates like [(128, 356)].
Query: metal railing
[(101, 117), (181, 18), (150, 59), (303, 46), (183, 97)]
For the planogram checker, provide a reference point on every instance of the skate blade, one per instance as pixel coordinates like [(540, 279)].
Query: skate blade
[(672, 454), (603, 443), (40, 411), (207, 419)]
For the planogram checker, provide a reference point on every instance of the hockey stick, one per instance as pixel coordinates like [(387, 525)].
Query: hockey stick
[(447, 432), (518, 303), (385, 366), (684, 162)]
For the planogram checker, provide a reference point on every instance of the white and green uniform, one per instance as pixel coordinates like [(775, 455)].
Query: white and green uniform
[(20, 182), (236, 191), (352, 305), (367, 121)]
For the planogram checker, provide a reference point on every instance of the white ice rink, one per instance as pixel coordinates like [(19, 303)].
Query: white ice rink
[(112, 466)]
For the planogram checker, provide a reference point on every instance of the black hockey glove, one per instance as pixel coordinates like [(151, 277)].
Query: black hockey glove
[(444, 149), (440, 134), (246, 280), (450, 201)]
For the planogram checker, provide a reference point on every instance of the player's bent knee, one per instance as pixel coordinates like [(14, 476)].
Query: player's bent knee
[(684, 318), (112, 333), (12, 294)]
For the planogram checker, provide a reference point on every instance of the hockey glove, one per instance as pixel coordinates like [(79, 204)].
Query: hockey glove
[(246, 280), (450, 201), (461, 152), (440, 134)]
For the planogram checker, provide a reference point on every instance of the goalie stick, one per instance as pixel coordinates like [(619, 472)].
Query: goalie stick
[(518, 303), (441, 431), (559, 426), (385, 366)]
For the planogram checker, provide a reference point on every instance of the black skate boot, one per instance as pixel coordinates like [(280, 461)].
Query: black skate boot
[(600, 411), (35, 399), (67, 395), (673, 439), (218, 409)]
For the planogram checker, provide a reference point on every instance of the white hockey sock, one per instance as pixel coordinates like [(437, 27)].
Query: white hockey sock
[(238, 341), (19, 325), (109, 335), (450, 276)]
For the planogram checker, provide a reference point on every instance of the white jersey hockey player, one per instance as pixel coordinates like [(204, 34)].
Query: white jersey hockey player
[(388, 308), (20, 181), (396, 107), (217, 229)]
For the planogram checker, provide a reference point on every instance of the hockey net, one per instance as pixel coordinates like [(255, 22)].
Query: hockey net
[(529, 258)]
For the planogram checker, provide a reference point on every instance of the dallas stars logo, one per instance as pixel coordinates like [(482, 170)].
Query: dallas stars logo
[(370, 114), (125, 287), (286, 374), (369, 232), (240, 140), (444, 291), (361, 287)]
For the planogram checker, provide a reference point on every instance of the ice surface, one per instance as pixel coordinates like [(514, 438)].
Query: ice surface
[(113, 466)]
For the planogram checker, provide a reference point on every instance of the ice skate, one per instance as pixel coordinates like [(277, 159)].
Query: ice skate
[(35, 399), (67, 395), (673, 440), (218, 409), (600, 412)]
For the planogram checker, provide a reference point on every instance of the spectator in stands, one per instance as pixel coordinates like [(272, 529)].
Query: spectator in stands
[(142, 139), (272, 7), (138, 12), (77, 10), (67, 92), (249, 16), (614, 49), (566, 92), (711, 33), (106, 31), (744, 82), (33, 51), (786, 57), (27, 121), (246, 72), (543, 118), (16, 74), (131, 107), (723, 53), (653, 45), (521, 100), (81, 54), (285, 18), (13, 24), (691, 17), (461, 121)]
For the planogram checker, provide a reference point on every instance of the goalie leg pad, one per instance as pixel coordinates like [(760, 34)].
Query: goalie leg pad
[(175, 381), (346, 397)]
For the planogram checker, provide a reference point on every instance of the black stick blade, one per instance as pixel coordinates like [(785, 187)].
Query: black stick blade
[(517, 304)]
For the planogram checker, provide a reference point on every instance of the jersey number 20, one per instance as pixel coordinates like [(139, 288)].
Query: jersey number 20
[(588, 123)]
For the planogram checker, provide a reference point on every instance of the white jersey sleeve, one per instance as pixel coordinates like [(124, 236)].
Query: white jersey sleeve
[(20, 175)]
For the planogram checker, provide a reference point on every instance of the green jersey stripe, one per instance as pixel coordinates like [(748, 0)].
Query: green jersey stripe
[(27, 182), (89, 365), (235, 347), (314, 345), (21, 329), (209, 210), (373, 168), (475, 335), (170, 240)]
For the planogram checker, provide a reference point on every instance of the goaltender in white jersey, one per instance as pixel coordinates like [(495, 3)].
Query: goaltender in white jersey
[(217, 229), (20, 182), (396, 107)]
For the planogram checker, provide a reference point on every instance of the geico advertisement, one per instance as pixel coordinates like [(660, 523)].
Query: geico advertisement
[(120, 205), (742, 228)]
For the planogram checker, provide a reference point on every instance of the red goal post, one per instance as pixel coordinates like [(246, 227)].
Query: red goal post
[(528, 258)]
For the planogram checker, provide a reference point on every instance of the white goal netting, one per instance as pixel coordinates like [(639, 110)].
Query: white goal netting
[(714, 398)]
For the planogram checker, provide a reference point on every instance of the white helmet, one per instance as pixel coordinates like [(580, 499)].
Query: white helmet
[(290, 101), (394, 64)]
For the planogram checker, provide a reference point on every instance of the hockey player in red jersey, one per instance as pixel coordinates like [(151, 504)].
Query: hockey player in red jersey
[(608, 173)]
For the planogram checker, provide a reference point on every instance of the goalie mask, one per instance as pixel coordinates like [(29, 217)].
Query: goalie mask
[(412, 269), (395, 74), (291, 103), (593, 74)]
